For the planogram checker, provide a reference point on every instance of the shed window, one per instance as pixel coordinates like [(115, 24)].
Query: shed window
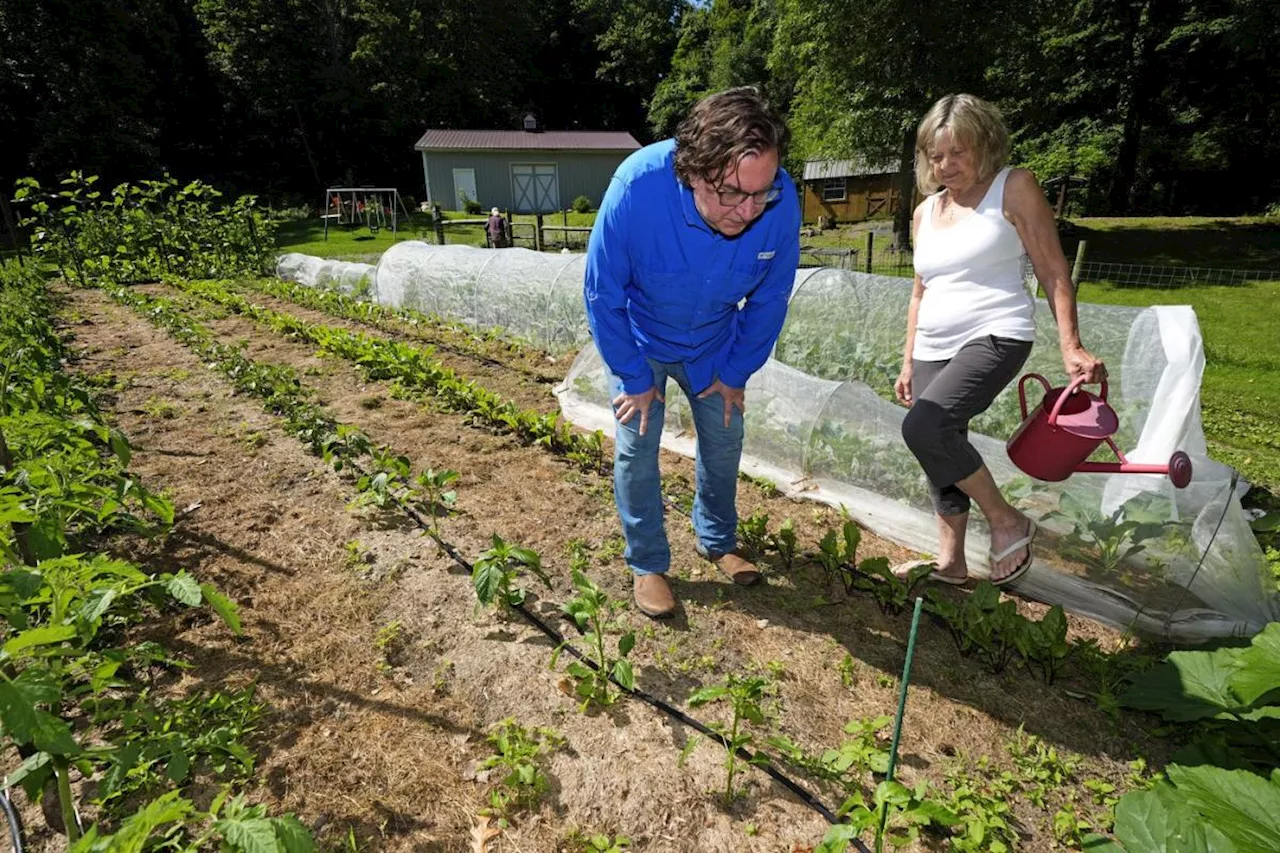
[(833, 189)]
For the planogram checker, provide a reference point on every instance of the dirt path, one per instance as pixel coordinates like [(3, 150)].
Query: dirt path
[(382, 736)]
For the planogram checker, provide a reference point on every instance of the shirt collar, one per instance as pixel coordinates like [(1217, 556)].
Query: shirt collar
[(690, 209)]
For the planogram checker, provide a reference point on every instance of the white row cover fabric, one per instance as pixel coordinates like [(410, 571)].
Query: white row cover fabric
[(536, 296), (343, 276), (1129, 550)]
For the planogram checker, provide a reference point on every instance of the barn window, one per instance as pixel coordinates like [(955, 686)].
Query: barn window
[(833, 189)]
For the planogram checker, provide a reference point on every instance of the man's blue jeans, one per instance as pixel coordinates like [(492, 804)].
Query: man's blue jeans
[(637, 483)]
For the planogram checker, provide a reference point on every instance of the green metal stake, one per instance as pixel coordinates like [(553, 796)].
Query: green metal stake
[(902, 706)]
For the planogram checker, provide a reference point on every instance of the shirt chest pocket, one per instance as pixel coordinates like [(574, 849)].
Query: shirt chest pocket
[(729, 287), (670, 298)]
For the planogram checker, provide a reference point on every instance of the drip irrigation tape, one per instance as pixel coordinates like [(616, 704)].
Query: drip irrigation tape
[(13, 822), (555, 636)]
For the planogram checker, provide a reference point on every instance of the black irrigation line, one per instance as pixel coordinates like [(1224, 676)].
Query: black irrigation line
[(13, 822), (804, 795), (778, 776)]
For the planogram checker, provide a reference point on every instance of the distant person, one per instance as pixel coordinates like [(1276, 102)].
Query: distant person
[(496, 228), (688, 271), (970, 323)]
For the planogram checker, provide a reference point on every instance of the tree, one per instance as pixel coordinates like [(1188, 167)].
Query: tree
[(722, 44), (865, 71), (635, 39), (1174, 99), (80, 82)]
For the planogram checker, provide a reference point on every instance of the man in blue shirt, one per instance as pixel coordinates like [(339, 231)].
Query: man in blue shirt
[(689, 268)]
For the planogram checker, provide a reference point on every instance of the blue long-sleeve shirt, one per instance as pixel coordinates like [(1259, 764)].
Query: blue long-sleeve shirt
[(662, 284)]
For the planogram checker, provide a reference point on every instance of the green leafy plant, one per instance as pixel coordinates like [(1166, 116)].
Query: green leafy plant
[(1198, 808), (600, 843), (982, 623), (1105, 674), (1105, 542), (745, 695), (515, 758), (144, 231), (581, 204), (496, 571), (163, 743), (753, 533), (980, 799), (389, 643), (865, 752), (1041, 767), (1069, 828), (593, 612), (1229, 692), (172, 822), (1043, 643), (784, 543), (902, 811), (439, 499), (377, 487), (890, 592)]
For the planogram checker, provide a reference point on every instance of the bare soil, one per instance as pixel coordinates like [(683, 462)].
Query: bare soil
[(381, 739)]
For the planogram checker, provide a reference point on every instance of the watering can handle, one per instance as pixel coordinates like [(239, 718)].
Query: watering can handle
[(1022, 390), (1071, 389)]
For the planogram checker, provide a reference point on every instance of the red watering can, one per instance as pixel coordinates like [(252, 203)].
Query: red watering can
[(1054, 441)]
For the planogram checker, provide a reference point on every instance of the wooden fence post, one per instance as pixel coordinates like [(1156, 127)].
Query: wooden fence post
[(871, 242), (438, 215), (537, 233), (1077, 269)]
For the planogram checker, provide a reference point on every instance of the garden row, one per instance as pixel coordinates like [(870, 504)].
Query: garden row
[(82, 700)]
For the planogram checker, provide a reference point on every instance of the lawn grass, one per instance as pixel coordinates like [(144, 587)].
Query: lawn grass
[(351, 244), (1251, 242), (360, 244)]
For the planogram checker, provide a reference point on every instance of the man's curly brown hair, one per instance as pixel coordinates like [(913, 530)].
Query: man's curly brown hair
[(723, 127)]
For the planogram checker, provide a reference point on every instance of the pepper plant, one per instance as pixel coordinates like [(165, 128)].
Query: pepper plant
[(592, 611), (745, 695), (496, 571)]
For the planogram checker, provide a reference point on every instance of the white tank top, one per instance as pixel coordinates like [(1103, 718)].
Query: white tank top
[(973, 279)]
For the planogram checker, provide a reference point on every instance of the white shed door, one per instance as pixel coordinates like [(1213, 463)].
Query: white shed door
[(534, 187), (464, 181)]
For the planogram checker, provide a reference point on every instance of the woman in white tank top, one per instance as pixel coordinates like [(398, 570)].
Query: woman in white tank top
[(970, 321)]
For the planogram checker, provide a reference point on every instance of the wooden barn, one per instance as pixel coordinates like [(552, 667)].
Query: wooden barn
[(849, 190)]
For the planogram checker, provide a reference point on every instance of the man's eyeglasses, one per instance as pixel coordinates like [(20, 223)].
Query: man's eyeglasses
[(735, 197)]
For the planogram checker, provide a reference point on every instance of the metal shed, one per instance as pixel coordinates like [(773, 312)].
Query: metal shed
[(525, 171)]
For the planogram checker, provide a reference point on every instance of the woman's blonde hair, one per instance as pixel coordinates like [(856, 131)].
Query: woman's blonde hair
[(974, 123)]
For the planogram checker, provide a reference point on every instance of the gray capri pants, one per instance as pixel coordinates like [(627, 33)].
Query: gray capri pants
[(947, 395)]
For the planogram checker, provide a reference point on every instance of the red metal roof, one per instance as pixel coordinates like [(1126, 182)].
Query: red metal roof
[(521, 140)]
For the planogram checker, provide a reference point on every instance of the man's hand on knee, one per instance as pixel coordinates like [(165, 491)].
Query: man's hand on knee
[(732, 397), (625, 406)]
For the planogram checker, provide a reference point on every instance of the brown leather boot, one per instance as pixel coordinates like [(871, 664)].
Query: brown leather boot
[(739, 569), (653, 596)]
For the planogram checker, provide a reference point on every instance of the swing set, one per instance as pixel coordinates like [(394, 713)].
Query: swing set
[(370, 207)]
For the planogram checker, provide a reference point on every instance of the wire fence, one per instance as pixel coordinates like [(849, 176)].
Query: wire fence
[(1146, 275), (893, 262), (881, 261)]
